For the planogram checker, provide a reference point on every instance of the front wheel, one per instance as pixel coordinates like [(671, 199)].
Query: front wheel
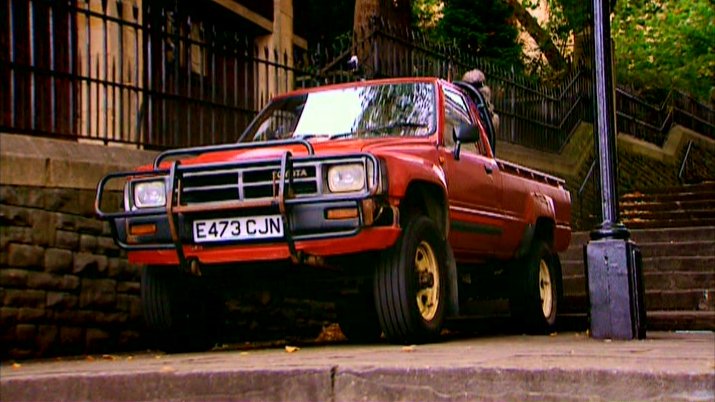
[(410, 284), (536, 289), (176, 309)]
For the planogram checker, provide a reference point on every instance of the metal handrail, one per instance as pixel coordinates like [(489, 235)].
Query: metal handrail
[(588, 175), (685, 159)]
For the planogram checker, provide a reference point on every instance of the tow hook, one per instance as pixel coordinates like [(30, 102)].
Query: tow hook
[(194, 267)]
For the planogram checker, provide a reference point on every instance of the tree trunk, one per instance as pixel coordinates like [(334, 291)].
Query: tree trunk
[(395, 16), (539, 34)]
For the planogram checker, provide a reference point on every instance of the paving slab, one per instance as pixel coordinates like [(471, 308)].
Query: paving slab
[(566, 366)]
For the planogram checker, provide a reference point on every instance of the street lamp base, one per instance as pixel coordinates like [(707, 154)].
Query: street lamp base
[(615, 286), (610, 230)]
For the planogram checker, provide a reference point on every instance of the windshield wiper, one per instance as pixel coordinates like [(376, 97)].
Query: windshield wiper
[(397, 124), (342, 135)]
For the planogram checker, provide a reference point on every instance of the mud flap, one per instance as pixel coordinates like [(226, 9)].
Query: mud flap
[(452, 287)]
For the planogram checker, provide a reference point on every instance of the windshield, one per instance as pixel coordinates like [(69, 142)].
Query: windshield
[(358, 112)]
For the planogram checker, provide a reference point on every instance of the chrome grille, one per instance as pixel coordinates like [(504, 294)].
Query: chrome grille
[(245, 183)]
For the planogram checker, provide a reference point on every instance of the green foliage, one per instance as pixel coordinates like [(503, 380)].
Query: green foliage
[(566, 18), (481, 28), (663, 44), (426, 13)]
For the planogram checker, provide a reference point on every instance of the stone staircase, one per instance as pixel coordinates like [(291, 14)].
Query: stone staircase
[(675, 230), (685, 206)]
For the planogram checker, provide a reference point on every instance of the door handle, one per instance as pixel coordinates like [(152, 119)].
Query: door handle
[(488, 169)]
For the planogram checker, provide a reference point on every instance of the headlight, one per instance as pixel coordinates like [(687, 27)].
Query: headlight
[(148, 194), (345, 178)]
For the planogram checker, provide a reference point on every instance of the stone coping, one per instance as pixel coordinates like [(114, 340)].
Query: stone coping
[(43, 162)]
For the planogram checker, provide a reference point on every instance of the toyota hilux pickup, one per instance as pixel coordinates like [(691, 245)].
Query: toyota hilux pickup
[(389, 188)]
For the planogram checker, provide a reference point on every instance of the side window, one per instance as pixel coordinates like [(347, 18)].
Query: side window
[(456, 112)]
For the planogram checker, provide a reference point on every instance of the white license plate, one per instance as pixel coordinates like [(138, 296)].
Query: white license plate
[(243, 228)]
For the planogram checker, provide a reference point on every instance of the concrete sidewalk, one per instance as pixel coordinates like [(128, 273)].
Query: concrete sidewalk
[(567, 366)]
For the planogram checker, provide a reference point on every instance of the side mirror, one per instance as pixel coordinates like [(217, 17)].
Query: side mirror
[(463, 133)]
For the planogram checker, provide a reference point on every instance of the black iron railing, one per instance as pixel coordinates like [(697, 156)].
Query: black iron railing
[(166, 74), (162, 74)]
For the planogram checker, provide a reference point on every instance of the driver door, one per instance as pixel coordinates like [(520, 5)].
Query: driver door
[(474, 184)]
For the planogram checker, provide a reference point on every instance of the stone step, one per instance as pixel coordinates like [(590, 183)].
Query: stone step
[(657, 282), (694, 233), (684, 215), (657, 320), (671, 223), (660, 264), (667, 197), (707, 186), (675, 300), (657, 249), (672, 206)]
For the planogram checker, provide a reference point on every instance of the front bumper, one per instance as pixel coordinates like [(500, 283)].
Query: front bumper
[(307, 228)]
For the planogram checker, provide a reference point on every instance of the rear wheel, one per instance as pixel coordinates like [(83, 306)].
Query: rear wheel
[(536, 289), (176, 309), (410, 284)]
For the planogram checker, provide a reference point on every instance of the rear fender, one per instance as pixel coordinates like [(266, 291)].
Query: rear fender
[(539, 215)]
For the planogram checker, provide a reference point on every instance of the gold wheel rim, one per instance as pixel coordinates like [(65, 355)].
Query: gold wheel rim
[(427, 271), (545, 290)]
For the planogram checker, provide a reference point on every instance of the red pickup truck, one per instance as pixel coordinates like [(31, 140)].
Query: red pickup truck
[(385, 192)]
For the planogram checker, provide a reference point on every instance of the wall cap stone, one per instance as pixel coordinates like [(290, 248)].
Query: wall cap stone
[(580, 146), (43, 162)]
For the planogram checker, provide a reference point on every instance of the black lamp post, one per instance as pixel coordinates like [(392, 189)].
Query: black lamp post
[(613, 262)]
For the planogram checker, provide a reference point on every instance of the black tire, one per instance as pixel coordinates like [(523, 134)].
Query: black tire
[(398, 286), (175, 310), (357, 317), (536, 290)]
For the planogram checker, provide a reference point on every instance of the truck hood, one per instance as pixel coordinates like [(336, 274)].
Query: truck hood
[(321, 147)]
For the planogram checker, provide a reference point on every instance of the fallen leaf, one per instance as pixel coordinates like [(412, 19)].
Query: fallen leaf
[(108, 357), (292, 349), (89, 358), (553, 334), (167, 369), (243, 354), (130, 357), (16, 366), (410, 348)]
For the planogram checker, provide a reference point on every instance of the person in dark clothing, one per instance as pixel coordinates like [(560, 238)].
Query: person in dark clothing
[(474, 83)]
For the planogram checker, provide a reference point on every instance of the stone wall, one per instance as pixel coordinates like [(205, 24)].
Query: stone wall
[(66, 287)]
